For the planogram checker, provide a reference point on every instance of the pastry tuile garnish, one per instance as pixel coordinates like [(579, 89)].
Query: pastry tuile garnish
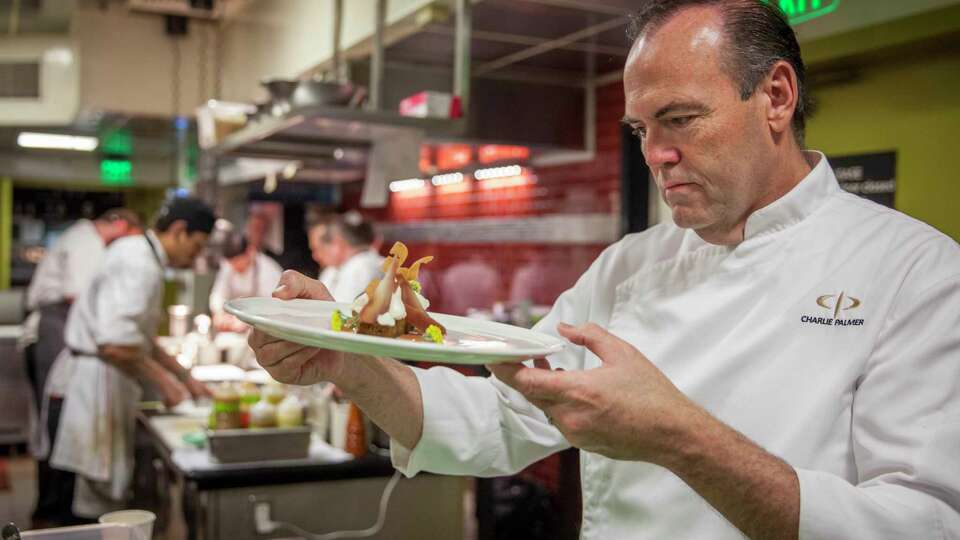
[(380, 291), (382, 298)]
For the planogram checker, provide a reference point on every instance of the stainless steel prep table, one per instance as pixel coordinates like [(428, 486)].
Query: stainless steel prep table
[(197, 498)]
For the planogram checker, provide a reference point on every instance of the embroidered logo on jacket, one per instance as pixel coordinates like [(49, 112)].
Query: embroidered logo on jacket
[(835, 303)]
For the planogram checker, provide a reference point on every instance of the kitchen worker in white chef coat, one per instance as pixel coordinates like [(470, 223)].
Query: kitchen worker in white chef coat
[(110, 338), (64, 272), (354, 263), (244, 272), (780, 361)]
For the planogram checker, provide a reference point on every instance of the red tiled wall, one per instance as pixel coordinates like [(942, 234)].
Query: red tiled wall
[(562, 266), (589, 187)]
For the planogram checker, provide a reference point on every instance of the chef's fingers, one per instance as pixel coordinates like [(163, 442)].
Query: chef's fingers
[(541, 363), (275, 352), (293, 284), (299, 367), (259, 338), (199, 390), (534, 383), (608, 347)]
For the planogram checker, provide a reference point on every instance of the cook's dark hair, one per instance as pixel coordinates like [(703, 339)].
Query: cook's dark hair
[(121, 214), (195, 213), (757, 36), (234, 244)]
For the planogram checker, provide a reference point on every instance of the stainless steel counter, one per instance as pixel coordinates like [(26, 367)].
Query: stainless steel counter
[(199, 498)]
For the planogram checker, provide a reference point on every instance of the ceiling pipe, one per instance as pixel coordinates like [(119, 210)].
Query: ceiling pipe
[(548, 46), (13, 25), (461, 60)]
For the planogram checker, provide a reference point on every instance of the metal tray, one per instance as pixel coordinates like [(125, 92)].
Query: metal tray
[(261, 444)]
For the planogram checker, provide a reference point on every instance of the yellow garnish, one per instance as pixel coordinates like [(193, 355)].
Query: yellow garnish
[(434, 334), (413, 273), (336, 321), (398, 251)]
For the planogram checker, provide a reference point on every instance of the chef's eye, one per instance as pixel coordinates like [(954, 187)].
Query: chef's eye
[(680, 121), (639, 132)]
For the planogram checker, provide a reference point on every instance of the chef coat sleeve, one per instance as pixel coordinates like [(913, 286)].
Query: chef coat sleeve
[(218, 293), (353, 278), (481, 427), (906, 427), (82, 255), (269, 275), (46, 286), (123, 302)]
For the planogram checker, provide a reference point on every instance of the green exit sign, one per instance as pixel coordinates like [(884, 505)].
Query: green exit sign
[(116, 172), (799, 11)]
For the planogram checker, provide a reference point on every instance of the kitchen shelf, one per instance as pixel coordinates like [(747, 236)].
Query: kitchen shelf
[(332, 126)]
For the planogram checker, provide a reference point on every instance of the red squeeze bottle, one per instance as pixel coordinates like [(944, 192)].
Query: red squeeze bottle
[(356, 433)]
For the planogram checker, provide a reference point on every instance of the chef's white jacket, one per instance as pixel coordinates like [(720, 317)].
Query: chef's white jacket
[(64, 272), (259, 279), (348, 281), (122, 306), (830, 336)]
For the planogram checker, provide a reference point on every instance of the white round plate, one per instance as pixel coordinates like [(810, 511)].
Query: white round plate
[(468, 341)]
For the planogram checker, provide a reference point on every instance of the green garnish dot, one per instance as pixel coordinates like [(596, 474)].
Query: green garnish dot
[(336, 321), (434, 334), (415, 285)]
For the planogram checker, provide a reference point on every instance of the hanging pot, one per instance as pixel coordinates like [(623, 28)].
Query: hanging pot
[(280, 92)]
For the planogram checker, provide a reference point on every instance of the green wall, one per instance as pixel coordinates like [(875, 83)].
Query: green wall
[(903, 99)]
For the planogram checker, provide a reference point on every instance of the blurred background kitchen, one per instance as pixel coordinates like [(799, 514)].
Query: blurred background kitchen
[(483, 132)]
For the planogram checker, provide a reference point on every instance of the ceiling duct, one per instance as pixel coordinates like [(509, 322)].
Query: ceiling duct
[(524, 69)]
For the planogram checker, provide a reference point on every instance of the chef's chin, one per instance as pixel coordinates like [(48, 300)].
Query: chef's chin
[(686, 213)]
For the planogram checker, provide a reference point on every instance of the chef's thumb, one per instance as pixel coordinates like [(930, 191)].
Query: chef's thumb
[(293, 284)]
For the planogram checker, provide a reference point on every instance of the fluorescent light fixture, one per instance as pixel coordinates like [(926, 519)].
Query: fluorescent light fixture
[(498, 172), (447, 179), (56, 141), (508, 181), (407, 185)]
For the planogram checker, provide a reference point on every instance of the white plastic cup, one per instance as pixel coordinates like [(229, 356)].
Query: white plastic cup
[(141, 521)]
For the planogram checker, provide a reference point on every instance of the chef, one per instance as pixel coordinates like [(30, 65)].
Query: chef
[(110, 351), (244, 272), (320, 252), (63, 273), (353, 263), (781, 361)]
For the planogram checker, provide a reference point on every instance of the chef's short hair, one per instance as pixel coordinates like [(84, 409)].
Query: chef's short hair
[(355, 230), (234, 244), (319, 220), (758, 35), (195, 213), (121, 214)]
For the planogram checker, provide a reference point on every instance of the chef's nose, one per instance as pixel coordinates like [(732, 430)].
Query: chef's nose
[(659, 152)]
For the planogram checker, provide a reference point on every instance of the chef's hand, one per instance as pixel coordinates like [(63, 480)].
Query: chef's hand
[(171, 391), (625, 409), (225, 322), (289, 362), (196, 388)]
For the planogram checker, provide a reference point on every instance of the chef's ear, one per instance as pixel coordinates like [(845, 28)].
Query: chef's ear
[(177, 227)]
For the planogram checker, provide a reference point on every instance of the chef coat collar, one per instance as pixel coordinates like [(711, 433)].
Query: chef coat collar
[(157, 247), (798, 203)]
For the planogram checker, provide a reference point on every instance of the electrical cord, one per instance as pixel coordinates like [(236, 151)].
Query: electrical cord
[(364, 533)]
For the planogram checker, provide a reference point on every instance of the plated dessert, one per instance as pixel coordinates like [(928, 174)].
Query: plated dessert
[(393, 306)]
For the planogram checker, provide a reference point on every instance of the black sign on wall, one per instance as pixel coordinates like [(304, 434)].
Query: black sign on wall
[(872, 176)]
